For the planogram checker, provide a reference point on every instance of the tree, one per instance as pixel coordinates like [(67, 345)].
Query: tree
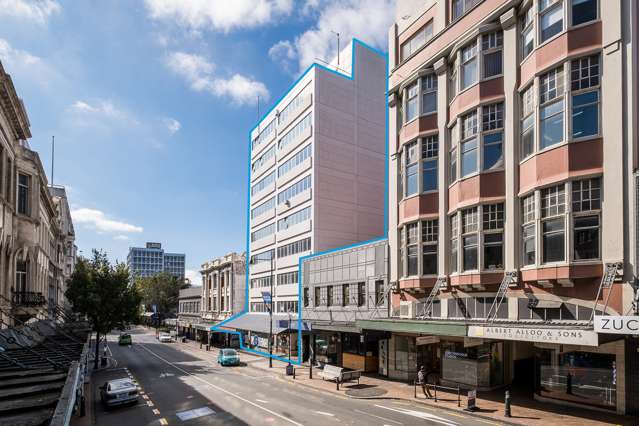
[(103, 293), (161, 290)]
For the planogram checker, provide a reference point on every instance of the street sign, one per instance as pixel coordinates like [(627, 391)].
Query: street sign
[(472, 400), (283, 323), (266, 296)]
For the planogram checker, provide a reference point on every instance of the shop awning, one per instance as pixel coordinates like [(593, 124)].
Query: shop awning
[(435, 328), (205, 326), (260, 323), (341, 327)]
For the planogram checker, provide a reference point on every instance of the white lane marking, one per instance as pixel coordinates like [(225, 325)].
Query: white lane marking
[(421, 415), (324, 413), (262, 401), (378, 417), (149, 403), (219, 388), (163, 421), (156, 411)]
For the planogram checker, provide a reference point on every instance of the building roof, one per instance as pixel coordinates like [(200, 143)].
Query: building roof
[(191, 292)]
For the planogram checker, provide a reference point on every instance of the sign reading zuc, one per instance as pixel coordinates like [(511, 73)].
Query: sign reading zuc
[(536, 334), (614, 324)]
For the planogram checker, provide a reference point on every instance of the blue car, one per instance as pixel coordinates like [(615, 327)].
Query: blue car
[(228, 357)]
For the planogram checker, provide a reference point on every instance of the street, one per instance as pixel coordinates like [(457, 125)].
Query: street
[(177, 387)]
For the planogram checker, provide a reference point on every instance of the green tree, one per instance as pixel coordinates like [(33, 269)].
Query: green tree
[(161, 290), (103, 293)]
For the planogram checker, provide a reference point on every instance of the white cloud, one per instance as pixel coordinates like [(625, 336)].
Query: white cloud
[(37, 11), (367, 20), (121, 238), (172, 125), (103, 108), (194, 276), (224, 15), (16, 57), (199, 73), (99, 221)]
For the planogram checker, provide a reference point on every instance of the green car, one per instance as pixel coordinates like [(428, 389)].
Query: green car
[(124, 340), (228, 357)]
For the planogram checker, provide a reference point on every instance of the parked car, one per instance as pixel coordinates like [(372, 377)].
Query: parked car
[(118, 392), (165, 338), (228, 357), (124, 339)]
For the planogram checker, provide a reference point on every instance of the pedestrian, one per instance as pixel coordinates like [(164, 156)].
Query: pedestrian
[(421, 379)]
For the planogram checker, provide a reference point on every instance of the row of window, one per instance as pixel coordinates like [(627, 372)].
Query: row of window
[(190, 307), (263, 159), (294, 218), (350, 294), (264, 232), (295, 132), (282, 279), (283, 306), (294, 189), (263, 208), (283, 251), (294, 161)]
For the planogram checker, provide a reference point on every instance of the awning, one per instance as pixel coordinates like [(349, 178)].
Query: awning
[(533, 302), (204, 326), (337, 327), (435, 328), (260, 323)]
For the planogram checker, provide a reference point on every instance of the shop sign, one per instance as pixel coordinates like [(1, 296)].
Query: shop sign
[(536, 334), (613, 324), (426, 340), (470, 342)]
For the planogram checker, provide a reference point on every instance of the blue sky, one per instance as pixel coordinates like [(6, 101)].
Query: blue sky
[(151, 102)]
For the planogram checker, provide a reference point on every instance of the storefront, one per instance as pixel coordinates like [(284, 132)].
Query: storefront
[(348, 349)]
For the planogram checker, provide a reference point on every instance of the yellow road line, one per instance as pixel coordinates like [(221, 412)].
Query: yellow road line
[(163, 421)]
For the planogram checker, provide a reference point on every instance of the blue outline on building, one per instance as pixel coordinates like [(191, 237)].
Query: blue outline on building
[(301, 259)]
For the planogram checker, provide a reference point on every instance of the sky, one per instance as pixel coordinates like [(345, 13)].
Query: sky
[(151, 102)]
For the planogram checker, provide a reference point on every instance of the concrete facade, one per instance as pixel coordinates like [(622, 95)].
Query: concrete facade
[(152, 259)]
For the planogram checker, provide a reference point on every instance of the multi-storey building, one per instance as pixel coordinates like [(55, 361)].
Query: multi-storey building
[(315, 180), (189, 311), (67, 236), (151, 260), (513, 151), (34, 227)]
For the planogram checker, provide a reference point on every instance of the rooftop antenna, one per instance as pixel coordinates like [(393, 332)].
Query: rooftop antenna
[(258, 114), (337, 34), (52, 158)]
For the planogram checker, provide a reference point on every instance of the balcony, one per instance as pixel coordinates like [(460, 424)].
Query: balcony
[(27, 299)]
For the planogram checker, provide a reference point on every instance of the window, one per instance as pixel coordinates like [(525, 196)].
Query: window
[(411, 157), (361, 294), (527, 32), (469, 156), (295, 133), (24, 204), (345, 294), (553, 202), (461, 7), (293, 190), (294, 219), (470, 226), (263, 208), (22, 267), (411, 232), (586, 195), (294, 248), (317, 296), (430, 231), (289, 110), (493, 122), (551, 18), (527, 122), (453, 153), (586, 202), (551, 112), (528, 230), (417, 40), (430, 147), (454, 228), (294, 161), (583, 11), (263, 183), (412, 101), (264, 134), (263, 159), (379, 292), (492, 51), (329, 295), (287, 306), (452, 80), (263, 232), (8, 194), (493, 236), (585, 96), (287, 278), (469, 65), (429, 93)]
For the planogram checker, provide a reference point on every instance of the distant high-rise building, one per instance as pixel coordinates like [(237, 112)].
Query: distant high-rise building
[(151, 260)]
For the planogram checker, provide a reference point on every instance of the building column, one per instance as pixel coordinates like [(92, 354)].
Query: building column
[(393, 171), (443, 243), (510, 145)]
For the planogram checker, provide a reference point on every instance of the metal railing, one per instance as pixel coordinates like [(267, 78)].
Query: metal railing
[(27, 299), (434, 397)]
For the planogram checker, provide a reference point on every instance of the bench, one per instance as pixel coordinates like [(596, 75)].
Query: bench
[(339, 374)]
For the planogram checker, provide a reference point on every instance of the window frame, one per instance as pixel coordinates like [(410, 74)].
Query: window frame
[(474, 49), (541, 13), (527, 25), (426, 30), (489, 50)]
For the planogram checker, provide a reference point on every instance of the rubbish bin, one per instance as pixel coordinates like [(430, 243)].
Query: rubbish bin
[(289, 370)]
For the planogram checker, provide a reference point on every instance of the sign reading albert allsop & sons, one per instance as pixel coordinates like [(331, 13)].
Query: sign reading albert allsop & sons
[(536, 334)]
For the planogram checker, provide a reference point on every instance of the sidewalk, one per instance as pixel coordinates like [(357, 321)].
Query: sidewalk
[(525, 410)]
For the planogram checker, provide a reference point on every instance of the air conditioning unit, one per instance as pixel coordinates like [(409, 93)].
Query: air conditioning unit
[(406, 309)]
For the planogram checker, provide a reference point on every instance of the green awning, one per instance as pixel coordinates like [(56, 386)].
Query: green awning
[(435, 328)]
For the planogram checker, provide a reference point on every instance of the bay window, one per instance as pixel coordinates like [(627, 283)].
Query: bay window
[(417, 40), (469, 144), (527, 36), (454, 230), (412, 102), (551, 18), (527, 122), (411, 168), (461, 7), (470, 227), (416, 170), (583, 11), (551, 112), (553, 204), (584, 76), (411, 248), (430, 231), (429, 93), (586, 203), (493, 236), (430, 148), (493, 123), (528, 230), (454, 137), (421, 97), (492, 53), (469, 65)]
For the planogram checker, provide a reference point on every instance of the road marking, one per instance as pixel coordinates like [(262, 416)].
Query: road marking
[(421, 415), (145, 397), (156, 411), (378, 417), (195, 413), (324, 413), (149, 403), (488, 421), (262, 401), (221, 389), (163, 421)]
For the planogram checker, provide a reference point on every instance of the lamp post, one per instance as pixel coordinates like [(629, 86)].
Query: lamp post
[(289, 336), (270, 316)]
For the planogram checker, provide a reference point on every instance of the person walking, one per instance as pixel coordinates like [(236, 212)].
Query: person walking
[(421, 380)]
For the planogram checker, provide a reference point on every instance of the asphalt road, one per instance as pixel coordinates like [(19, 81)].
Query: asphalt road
[(177, 387)]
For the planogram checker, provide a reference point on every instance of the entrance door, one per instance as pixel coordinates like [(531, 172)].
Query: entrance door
[(427, 356)]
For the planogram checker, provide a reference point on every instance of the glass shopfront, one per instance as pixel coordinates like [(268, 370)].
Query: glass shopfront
[(577, 376), (480, 365)]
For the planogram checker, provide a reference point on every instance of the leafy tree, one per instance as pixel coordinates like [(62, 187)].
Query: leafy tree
[(161, 290), (102, 292)]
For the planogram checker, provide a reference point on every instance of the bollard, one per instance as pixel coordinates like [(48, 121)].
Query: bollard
[(458, 396), (293, 373), (415, 386), (507, 405), (83, 408), (200, 344), (310, 370), (337, 383), (208, 348)]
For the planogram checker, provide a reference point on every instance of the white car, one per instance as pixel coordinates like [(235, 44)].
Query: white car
[(118, 392), (165, 338)]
